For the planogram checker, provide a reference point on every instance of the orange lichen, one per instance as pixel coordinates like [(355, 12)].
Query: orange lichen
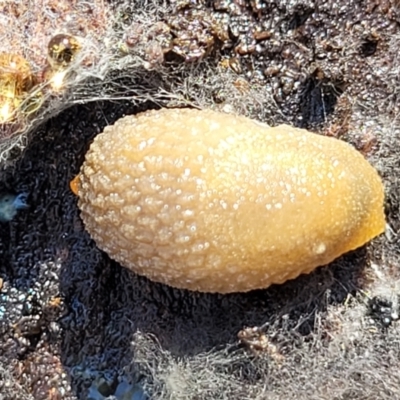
[(220, 203)]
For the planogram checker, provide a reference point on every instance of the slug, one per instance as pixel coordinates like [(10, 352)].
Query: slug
[(214, 202)]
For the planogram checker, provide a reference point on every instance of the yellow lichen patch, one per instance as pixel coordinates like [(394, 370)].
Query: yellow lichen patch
[(220, 203), (16, 80)]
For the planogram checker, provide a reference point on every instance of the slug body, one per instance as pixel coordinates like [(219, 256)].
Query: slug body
[(215, 202)]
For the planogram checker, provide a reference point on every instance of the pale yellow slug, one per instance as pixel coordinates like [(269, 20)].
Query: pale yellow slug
[(215, 202)]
